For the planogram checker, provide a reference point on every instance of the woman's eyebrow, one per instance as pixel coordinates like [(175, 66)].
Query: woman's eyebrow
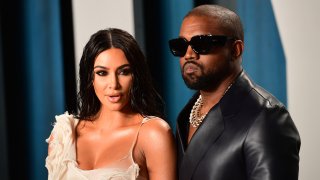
[(98, 66), (120, 67), (123, 66)]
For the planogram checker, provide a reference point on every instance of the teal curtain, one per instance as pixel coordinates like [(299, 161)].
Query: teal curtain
[(263, 56), (44, 74), (176, 94), (161, 20), (32, 82)]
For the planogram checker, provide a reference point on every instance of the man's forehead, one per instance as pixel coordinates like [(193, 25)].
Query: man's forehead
[(198, 26)]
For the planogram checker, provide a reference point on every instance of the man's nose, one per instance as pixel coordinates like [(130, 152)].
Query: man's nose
[(190, 54)]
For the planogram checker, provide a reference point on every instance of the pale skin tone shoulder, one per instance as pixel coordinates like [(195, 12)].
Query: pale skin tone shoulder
[(109, 138), (157, 147)]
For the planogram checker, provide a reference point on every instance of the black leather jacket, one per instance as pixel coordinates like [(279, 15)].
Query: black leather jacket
[(248, 135)]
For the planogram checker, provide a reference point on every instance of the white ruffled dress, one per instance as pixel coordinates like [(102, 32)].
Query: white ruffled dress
[(61, 162)]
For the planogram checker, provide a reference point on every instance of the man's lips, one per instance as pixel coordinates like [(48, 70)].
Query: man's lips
[(190, 68)]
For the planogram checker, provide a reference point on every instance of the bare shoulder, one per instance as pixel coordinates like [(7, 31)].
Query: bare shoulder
[(155, 125), (156, 142), (155, 132)]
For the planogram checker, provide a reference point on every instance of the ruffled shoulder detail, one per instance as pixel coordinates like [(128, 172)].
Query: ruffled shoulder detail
[(61, 145)]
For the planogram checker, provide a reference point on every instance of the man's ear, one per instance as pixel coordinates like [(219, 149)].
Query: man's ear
[(237, 48)]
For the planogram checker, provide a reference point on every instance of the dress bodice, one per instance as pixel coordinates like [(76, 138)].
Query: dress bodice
[(61, 162)]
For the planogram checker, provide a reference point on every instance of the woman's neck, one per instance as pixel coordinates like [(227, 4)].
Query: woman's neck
[(114, 119)]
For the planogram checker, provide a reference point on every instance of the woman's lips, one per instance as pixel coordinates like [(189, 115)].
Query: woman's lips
[(114, 98)]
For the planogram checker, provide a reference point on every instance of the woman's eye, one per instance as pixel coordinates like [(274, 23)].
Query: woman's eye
[(101, 73), (125, 71)]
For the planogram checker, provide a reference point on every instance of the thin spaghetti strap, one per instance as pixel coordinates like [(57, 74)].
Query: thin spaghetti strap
[(144, 120)]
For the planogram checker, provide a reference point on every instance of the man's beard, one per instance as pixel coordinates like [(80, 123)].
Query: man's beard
[(206, 81)]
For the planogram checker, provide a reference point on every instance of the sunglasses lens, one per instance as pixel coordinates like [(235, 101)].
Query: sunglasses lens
[(202, 44), (178, 47)]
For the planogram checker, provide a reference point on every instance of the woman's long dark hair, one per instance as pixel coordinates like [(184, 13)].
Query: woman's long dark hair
[(144, 99)]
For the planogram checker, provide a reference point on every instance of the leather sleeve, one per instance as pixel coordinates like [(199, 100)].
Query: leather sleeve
[(272, 146)]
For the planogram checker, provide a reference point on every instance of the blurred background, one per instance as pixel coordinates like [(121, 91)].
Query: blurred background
[(41, 44)]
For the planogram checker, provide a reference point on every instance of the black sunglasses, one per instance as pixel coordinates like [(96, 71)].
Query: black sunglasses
[(200, 44)]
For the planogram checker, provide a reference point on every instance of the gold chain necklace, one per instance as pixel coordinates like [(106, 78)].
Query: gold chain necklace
[(195, 119)]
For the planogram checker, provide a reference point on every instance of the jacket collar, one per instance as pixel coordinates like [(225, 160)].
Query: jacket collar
[(212, 126), (233, 99)]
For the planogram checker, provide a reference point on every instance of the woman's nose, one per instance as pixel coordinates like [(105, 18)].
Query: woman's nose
[(113, 82)]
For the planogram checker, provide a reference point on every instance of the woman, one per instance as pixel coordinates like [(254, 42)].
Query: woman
[(118, 132)]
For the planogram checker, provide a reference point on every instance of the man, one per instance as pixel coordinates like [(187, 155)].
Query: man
[(231, 129)]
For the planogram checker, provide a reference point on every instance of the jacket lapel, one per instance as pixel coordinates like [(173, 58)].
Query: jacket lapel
[(207, 133), (211, 128)]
